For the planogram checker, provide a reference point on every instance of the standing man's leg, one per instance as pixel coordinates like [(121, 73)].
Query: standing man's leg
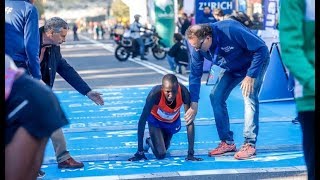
[(251, 117), (135, 48), (141, 48), (60, 145), (63, 156), (171, 63), (307, 126), (218, 96)]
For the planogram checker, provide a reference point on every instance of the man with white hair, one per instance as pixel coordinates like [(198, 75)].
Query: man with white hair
[(52, 34)]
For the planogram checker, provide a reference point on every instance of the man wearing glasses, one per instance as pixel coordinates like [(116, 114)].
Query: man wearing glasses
[(243, 58)]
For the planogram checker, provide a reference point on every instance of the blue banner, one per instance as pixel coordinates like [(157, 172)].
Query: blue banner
[(226, 5), (270, 13)]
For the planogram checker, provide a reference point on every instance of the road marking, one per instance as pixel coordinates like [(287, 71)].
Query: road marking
[(96, 77), (160, 69), (69, 46), (109, 70), (157, 68), (266, 153), (93, 54), (108, 87), (191, 173)]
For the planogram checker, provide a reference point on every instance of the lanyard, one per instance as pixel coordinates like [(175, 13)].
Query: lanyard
[(215, 54)]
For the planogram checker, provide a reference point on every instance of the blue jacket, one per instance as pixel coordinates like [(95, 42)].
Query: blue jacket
[(54, 63), (22, 35), (206, 18), (239, 51)]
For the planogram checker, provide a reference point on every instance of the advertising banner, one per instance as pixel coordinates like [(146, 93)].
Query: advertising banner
[(270, 14), (164, 20), (226, 5)]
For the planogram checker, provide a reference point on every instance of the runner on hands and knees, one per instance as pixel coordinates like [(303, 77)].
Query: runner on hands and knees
[(162, 111)]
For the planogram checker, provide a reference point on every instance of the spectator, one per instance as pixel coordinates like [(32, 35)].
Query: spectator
[(185, 23), (192, 19), (178, 58), (241, 17), (297, 40), (102, 30), (242, 58), (27, 132), (118, 28), (207, 16), (97, 29), (52, 34), (162, 111), (218, 14), (75, 32), (22, 36)]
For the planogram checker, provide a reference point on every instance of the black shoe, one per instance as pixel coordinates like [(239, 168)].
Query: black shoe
[(295, 120), (41, 174), (143, 58)]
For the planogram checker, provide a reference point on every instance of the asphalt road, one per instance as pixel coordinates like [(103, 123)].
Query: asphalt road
[(95, 62)]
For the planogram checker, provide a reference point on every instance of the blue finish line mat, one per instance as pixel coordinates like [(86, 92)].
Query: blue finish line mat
[(105, 136)]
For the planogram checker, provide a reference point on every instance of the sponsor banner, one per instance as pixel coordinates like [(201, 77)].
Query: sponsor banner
[(270, 13), (226, 5), (164, 20)]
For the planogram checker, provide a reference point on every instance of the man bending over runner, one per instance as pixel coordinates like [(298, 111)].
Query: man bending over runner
[(162, 111)]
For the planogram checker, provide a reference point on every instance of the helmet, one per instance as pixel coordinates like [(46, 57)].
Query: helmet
[(137, 16)]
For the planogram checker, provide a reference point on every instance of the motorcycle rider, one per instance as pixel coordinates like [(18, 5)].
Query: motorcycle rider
[(137, 40)]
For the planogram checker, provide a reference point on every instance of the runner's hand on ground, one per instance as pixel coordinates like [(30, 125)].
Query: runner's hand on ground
[(138, 156), (192, 158)]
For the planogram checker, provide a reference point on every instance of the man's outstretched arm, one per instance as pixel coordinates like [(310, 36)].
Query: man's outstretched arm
[(68, 73)]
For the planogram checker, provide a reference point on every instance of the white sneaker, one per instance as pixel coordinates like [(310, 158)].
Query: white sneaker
[(177, 69), (183, 70)]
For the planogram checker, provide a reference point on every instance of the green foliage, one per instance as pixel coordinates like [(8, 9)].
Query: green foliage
[(119, 9), (40, 8)]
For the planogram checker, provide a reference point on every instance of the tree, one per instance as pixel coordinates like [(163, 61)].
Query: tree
[(40, 8), (119, 9)]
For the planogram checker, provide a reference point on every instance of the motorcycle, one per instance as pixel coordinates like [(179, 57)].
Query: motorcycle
[(117, 33), (151, 41)]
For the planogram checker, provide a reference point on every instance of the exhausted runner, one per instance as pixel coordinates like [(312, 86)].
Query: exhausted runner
[(162, 111)]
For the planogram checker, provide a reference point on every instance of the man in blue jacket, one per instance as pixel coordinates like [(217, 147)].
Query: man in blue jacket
[(207, 16), (22, 35), (243, 58), (52, 34)]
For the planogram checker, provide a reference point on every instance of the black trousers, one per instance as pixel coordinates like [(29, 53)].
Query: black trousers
[(160, 141), (307, 120)]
